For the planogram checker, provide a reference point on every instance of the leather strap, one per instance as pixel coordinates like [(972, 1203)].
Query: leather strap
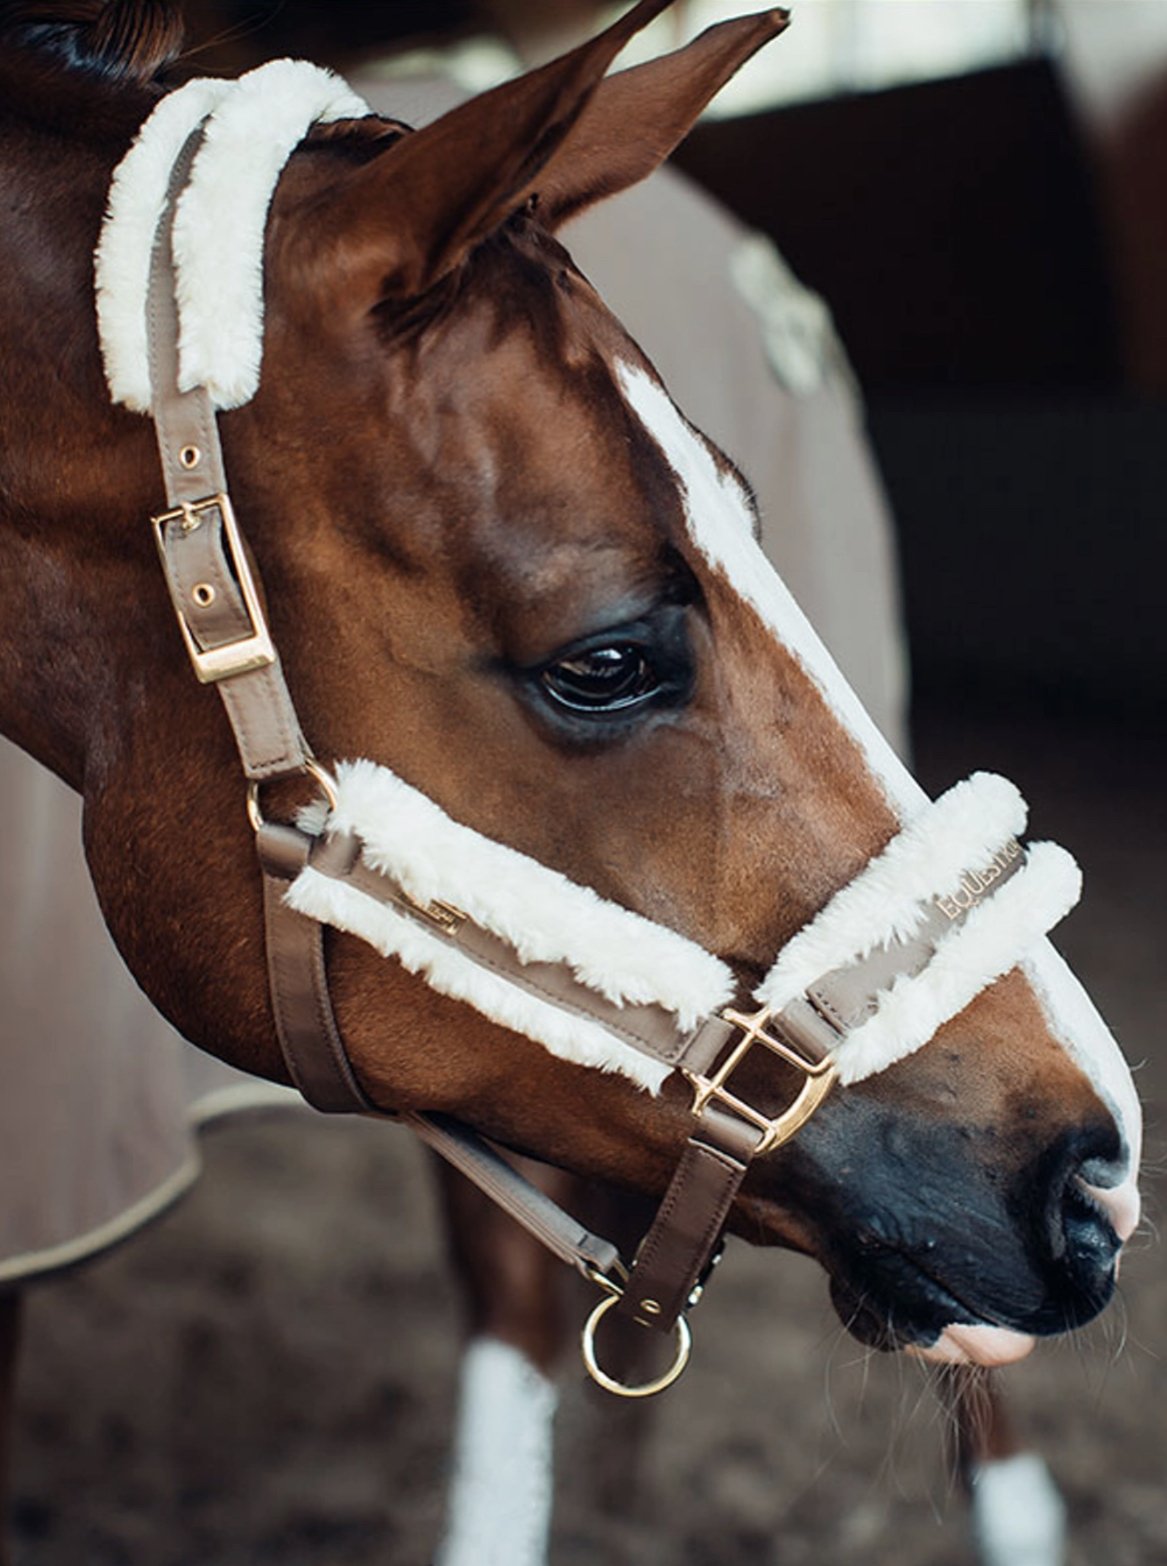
[(687, 1231), (205, 570), (482, 1163), (298, 982)]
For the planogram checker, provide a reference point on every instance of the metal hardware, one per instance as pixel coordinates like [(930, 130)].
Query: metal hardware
[(255, 651), (314, 770), (203, 594), (820, 1077), (189, 457), (447, 918), (612, 1293)]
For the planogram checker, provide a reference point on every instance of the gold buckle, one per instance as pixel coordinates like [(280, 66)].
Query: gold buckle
[(820, 1077), (254, 651)]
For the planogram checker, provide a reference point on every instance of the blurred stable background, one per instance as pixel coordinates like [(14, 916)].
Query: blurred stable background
[(978, 188)]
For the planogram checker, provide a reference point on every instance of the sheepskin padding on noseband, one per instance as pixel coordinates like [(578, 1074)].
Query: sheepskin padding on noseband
[(627, 959)]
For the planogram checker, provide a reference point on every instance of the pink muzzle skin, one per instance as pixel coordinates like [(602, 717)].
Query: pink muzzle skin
[(1121, 1205), (981, 1345)]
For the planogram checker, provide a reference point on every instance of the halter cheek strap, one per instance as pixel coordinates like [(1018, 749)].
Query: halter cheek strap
[(218, 605)]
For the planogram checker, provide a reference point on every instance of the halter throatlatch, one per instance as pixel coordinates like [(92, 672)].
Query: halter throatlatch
[(912, 939)]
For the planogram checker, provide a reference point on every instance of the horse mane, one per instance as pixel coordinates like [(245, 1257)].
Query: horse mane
[(113, 41)]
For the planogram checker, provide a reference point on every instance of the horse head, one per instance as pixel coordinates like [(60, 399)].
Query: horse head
[(519, 596)]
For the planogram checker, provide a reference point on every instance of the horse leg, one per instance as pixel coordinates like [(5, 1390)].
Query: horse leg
[(10, 1320), (1018, 1515), (499, 1505)]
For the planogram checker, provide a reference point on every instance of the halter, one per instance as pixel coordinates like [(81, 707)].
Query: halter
[(932, 898)]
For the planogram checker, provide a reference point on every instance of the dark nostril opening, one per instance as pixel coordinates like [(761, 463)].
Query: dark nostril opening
[(1091, 1243), (1082, 1241)]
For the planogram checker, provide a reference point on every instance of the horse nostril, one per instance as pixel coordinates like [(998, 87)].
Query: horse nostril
[(1080, 1223), (1091, 1244)]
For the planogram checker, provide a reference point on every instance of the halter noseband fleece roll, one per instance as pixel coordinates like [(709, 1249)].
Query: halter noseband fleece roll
[(950, 904)]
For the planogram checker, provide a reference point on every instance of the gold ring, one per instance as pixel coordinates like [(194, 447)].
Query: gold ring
[(313, 768), (645, 1388)]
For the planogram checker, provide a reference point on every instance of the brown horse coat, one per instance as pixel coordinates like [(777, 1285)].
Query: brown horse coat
[(99, 1159)]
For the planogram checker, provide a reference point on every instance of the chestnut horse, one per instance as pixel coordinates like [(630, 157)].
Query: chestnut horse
[(591, 729)]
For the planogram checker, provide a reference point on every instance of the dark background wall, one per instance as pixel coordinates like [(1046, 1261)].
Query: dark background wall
[(960, 232)]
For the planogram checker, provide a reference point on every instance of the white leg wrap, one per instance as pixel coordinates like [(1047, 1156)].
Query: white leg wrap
[(499, 1507), (1019, 1518)]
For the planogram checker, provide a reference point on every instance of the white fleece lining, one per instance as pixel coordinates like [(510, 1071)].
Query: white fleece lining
[(451, 972), (222, 214), (994, 937), (137, 196), (538, 911), (252, 126), (959, 833), (547, 918)]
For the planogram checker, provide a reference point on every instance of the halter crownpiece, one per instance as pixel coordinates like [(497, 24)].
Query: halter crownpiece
[(950, 904), (251, 127)]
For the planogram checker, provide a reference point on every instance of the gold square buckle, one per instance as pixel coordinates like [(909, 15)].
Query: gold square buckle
[(756, 1029), (255, 650)]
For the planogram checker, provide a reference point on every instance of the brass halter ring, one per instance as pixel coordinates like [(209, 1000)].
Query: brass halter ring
[(612, 1295), (314, 770)]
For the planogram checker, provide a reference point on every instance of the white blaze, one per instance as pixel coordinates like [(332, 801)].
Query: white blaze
[(719, 522)]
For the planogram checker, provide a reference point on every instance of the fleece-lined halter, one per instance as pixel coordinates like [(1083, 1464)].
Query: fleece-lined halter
[(952, 903)]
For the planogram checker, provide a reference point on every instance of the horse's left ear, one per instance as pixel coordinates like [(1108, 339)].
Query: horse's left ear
[(397, 226), (400, 224), (634, 119)]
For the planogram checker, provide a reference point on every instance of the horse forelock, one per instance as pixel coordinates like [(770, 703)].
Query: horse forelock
[(108, 40)]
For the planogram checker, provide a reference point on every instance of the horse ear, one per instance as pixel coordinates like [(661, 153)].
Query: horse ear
[(410, 217), (635, 118)]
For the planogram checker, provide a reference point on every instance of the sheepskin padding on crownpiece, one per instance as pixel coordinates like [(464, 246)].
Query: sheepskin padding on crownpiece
[(251, 127)]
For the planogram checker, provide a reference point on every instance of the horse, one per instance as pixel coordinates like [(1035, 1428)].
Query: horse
[(608, 863)]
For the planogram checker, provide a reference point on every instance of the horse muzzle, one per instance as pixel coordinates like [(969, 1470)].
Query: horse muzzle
[(964, 1269)]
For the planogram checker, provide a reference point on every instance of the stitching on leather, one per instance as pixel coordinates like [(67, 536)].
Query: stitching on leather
[(824, 1003)]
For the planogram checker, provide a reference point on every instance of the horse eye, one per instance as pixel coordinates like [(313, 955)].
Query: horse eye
[(601, 679)]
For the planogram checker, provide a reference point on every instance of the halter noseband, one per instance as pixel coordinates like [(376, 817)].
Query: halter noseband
[(217, 601)]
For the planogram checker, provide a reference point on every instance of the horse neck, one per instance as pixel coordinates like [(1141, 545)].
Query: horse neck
[(73, 472)]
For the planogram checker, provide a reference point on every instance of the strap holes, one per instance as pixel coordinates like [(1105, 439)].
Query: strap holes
[(203, 594), (189, 457)]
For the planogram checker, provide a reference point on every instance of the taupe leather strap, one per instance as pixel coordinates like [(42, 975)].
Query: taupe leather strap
[(476, 1158), (205, 564), (298, 983)]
